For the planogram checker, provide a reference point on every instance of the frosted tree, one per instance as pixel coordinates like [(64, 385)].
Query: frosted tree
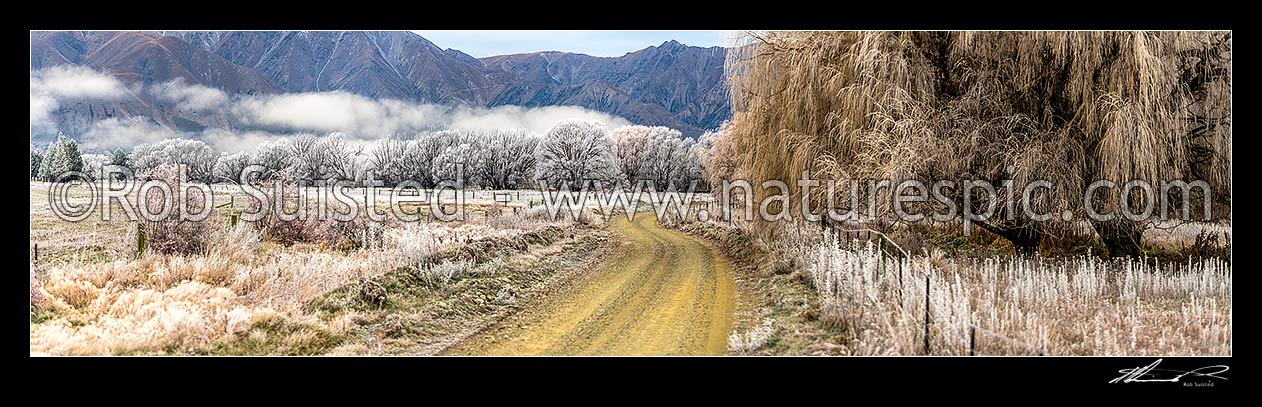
[(522, 155), (632, 145), (62, 156), (689, 169), (73, 158), (387, 160), (574, 151), (427, 147), (230, 166), (715, 157), (118, 158), (274, 156), (447, 165), (505, 157), (93, 166), (395, 160), (343, 160), (308, 157), (52, 159), (195, 155), (657, 154), (664, 162), (36, 158)]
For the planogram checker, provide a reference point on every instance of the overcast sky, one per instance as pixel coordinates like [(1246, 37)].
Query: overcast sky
[(485, 43)]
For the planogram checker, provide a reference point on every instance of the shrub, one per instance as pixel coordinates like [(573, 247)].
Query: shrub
[(440, 275), (173, 234), (506, 296), (752, 340)]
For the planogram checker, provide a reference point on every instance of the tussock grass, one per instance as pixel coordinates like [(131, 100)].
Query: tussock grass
[(244, 295)]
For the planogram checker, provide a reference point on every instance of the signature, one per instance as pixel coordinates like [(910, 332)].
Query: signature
[(1151, 373)]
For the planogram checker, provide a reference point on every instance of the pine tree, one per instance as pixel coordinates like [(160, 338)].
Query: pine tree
[(36, 158), (61, 157), (118, 157), (52, 156), (73, 157)]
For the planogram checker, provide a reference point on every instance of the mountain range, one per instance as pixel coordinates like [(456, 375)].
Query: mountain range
[(672, 84)]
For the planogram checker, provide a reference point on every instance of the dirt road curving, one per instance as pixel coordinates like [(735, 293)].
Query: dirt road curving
[(661, 293)]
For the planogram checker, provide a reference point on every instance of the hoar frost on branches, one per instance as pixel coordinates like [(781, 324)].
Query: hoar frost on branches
[(62, 156), (230, 166), (505, 157), (659, 155), (575, 151), (452, 165), (198, 157)]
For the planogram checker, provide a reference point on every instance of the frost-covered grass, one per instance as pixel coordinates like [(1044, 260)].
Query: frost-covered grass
[(242, 294), (752, 340), (1019, 305)]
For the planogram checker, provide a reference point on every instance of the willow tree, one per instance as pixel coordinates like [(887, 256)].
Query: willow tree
[(1068, 108)]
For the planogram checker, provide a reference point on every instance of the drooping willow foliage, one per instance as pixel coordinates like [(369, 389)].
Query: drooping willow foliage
[(1066, 107)]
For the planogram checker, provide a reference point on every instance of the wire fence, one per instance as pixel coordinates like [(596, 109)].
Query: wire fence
[(974, 331)]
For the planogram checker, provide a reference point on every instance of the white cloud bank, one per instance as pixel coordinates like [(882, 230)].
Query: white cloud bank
[(370, 119), (261, 118), (51, 86), (124, 133), (76, 82), (533, 119), (193, 97)]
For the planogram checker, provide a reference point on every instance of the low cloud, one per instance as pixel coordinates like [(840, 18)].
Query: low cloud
[(42, 107), (232, 142), (76, 82), (338, 111), (186, 96), (365, 118), (533, 119), (51, 86), (124, 133), (261, 118)]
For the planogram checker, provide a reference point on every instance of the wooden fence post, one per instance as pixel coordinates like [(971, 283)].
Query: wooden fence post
[(900, 284), (972, 340), (140, 239), (926, 313)]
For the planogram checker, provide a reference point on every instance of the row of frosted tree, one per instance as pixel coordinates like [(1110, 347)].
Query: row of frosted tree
[(572, 153)]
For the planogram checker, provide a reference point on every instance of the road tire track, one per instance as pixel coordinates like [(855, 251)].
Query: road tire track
[(660, 293)]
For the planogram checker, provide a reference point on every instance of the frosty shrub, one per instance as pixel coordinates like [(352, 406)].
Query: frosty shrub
[(440, 275), (174, 234), (752, 340), (228, 167)]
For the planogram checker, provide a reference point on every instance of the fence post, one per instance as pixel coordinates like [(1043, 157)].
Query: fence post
[(36, 255), (926, 313), (972, 340), (140, 239), (900, 284)]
